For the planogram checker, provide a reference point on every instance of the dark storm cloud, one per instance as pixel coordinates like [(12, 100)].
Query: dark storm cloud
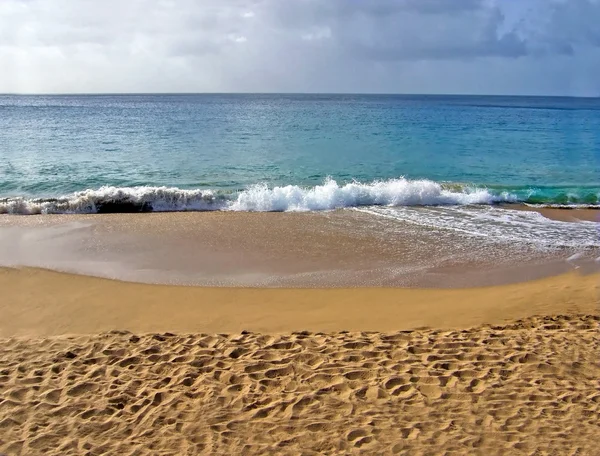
[(408, 29)]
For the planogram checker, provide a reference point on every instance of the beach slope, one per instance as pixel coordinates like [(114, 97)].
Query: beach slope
[(93, 366)]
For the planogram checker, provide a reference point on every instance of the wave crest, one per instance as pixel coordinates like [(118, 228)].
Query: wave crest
[(260, 197), (330, 195), (115, 199)]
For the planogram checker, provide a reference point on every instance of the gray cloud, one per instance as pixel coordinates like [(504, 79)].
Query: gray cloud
[(465, 46), (404, 29), (572, 24)]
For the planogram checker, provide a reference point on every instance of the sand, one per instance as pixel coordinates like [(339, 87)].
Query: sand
[(526, 388), (37, 302), (94, 366)]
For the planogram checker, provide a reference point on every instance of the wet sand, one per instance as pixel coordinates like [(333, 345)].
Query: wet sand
[(319, 249), (562, 214)]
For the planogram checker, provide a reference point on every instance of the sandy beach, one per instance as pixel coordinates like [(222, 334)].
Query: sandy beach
[(337, 332), (97, 366), (299, 228)]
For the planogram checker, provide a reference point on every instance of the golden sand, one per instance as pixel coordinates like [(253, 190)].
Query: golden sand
[(295, 381), (526, 388), (44, 303)]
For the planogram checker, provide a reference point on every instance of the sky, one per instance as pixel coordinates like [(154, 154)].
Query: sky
[(520, 47)]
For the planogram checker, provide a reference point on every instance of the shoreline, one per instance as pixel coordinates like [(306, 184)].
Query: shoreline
[(343, 248), (578, 212), (561, 214)]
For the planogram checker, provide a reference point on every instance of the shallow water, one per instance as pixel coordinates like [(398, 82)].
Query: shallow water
[(415, 247)]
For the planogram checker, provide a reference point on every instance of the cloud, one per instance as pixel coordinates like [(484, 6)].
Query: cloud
[(489, 46), (570, 26), (430, 33)]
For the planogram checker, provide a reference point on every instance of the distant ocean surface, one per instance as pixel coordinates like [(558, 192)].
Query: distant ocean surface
[(120, 153)]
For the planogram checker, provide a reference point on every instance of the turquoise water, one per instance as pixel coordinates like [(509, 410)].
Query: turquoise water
[(294, 152)]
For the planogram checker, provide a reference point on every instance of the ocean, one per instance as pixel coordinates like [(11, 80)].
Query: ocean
[(427, 182), (294, 152)]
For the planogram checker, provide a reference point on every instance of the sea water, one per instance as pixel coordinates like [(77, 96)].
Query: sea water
[(445, 163), (294, 152)]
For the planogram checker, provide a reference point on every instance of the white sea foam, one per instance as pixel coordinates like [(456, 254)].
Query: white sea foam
[(260, 197), (331, 195), (497, 225), (115, 199)]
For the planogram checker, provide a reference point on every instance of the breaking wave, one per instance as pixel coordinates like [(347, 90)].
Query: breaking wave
[(260, 197)]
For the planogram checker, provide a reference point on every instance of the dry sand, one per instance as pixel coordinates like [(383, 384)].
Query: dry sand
[(524, 387), (36, 302)]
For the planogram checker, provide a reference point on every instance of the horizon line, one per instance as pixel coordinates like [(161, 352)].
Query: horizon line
[(295, 93)]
